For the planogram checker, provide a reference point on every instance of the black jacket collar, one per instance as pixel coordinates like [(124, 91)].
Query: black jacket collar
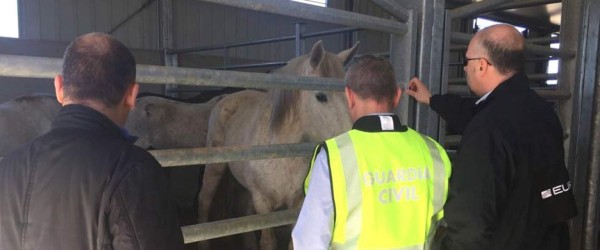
[(516, 83), (372, 123), (76, 116)]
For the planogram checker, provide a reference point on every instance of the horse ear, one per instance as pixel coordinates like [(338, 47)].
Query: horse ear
[(347, 55), (317, 54)]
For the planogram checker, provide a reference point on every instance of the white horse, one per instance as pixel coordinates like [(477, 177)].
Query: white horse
[(275, 117), (25, 118)]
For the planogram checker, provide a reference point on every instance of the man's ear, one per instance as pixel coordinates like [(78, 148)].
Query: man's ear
[(131, 95), (483, 67), (396, 98), (58, 89), (349, 97)]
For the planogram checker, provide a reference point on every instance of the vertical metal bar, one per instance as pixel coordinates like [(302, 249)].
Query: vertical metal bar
[(226, 58), (431, 56), (592, 204), (445, 71), (403, 55), (299, 42), (166, 37), (579, 31)]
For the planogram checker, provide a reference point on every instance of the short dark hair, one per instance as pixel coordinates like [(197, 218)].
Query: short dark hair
[(96, 66), (506, 58), (372, 77)]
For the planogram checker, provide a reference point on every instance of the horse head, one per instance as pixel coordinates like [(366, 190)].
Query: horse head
[(321, 114)]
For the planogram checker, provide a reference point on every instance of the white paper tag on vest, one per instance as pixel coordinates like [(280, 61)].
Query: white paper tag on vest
[(387, 123)]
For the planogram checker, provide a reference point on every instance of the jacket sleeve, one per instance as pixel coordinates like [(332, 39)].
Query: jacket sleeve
[(455, 110), (477, 187), (142, 215)]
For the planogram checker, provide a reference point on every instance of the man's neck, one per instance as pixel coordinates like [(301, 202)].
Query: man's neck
[(367, 107), (116, 115)]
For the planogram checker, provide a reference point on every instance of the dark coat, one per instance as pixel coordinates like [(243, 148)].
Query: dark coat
[(83, 185), (510, 188)]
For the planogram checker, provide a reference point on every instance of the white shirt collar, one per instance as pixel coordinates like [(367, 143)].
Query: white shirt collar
[(483, 98)]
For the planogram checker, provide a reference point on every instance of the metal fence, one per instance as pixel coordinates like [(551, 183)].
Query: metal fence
[(403, 40)]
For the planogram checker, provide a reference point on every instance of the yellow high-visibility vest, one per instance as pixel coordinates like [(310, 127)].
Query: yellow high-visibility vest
[(388, 188)]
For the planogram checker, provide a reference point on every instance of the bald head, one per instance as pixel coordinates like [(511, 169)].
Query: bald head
[(505, 47), (97, 67)]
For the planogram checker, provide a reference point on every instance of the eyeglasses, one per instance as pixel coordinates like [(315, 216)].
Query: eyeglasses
[(466, 60)]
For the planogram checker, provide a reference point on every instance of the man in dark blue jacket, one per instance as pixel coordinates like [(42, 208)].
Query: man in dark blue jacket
[(84, 185), (509, 188)]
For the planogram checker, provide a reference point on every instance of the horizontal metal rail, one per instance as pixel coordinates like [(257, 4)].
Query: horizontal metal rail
[(394, 8), (475, 8), (528, 59), (252, 65), (40, 67), (532, 77), (515, 4), (211, 230), (544, 40), (478, 8), (452, 140), (260, 41), (329, 32), (536, 40), (530, 48), (320, 14), (196, 156), (549, 94)]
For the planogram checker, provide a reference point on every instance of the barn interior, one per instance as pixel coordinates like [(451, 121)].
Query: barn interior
[(425, 38)]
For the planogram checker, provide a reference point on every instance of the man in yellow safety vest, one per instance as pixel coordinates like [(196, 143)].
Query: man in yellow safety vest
[(380, 185)]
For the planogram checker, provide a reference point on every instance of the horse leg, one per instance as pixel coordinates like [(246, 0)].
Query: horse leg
[(268, 241), (249, 238), (294, 203), (212, 176)]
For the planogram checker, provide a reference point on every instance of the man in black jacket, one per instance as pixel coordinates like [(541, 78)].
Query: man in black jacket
[(84, 185), (509, 188)]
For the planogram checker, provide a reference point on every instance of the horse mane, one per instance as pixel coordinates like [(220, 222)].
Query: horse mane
[(284, 100)]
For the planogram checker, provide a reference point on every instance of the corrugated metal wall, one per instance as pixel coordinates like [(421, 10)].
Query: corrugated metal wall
[(195, 24), (202, 24), (372, 41), (63, 20)]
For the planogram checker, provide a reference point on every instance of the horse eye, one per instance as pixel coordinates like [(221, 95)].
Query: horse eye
[(321, 97)]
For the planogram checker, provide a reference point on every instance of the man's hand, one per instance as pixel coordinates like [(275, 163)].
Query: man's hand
[(418, 90)]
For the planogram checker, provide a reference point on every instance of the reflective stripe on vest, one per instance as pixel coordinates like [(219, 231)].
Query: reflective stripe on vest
[(405, 194)]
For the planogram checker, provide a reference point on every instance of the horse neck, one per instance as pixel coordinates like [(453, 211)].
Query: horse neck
[(284, 120)]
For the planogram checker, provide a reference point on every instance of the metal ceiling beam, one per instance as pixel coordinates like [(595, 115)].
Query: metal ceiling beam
[(316, 13)]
